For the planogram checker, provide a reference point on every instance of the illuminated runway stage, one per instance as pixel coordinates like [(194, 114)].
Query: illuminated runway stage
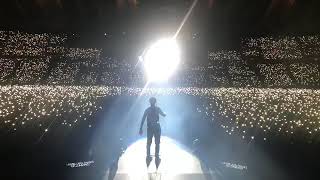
[(176, 163)]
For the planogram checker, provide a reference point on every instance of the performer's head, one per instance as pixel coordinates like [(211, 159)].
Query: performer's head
[(152, 101)]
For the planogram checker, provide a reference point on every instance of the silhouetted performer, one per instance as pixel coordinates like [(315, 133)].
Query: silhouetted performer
[(153, 126)]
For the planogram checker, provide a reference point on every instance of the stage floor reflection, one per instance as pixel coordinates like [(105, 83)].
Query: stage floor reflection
[(176, 163)]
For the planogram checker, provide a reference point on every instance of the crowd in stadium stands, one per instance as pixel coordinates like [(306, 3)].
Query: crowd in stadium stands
[(293, 113), (284, 48), (248, 112), (244, 87), (261, 62)]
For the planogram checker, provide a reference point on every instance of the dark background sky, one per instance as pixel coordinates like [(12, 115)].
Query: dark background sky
[(213, 23), (245, 16)]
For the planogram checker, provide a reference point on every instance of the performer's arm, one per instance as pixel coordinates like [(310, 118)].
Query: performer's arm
[(142, 121), (162, 113)]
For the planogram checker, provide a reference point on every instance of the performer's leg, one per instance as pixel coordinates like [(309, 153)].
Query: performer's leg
[(149, 140), (157, 140)]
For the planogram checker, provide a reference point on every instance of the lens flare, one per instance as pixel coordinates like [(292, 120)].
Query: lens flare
[(161, 60)]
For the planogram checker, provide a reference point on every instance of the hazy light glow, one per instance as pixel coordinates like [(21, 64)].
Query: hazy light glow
[(161, 60), (176, 162)]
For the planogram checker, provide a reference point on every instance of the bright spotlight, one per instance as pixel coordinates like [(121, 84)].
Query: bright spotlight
[(161, 60)]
